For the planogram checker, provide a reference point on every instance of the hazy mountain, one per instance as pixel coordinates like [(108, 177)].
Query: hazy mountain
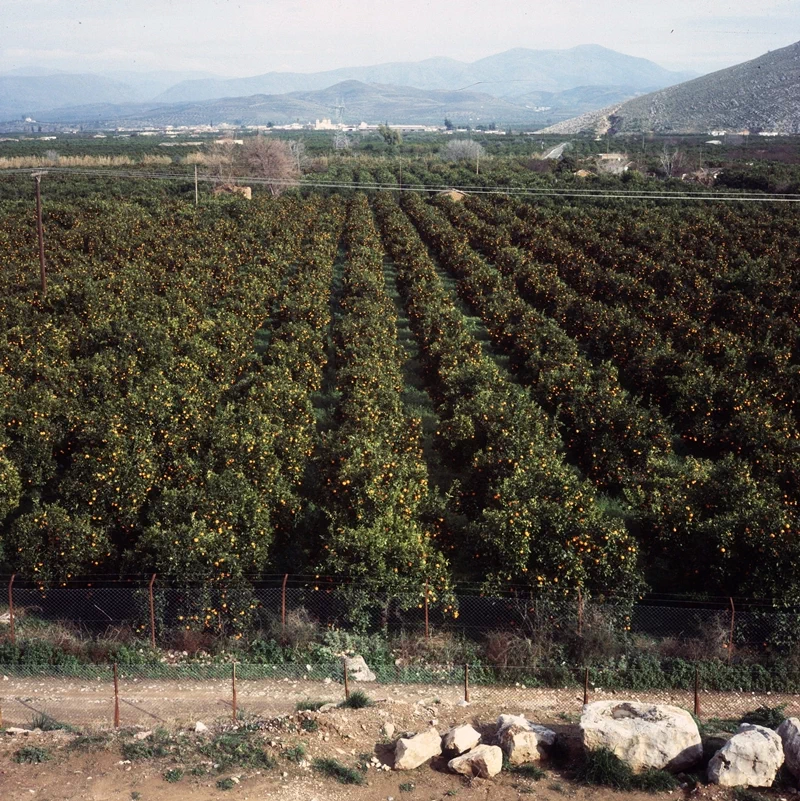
[(372, 103), (149, 84), (27, 94), (508, 74), (762, 94)]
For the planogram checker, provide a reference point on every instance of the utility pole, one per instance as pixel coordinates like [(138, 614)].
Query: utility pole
[(37, 177), (195, 184), (478, 160)]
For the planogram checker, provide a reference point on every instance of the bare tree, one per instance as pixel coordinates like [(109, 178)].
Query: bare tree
[(220, 163), (462, 150), (670, 161), (297, 148), (271, 160)]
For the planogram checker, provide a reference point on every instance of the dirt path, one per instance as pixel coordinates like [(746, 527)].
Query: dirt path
[(146, 702)]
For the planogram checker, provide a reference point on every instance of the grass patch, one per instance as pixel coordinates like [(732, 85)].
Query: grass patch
[(336, 770), (748, 794), (309, 724), (407, 787), (296, 753), (237, 749), (32, 755), (533, 772), (308, 705), (226, 784), (46, 723), (173, 775), (655, 781), (768, 716), (603, 768), (358, 700), (156, 746), (90, 742)]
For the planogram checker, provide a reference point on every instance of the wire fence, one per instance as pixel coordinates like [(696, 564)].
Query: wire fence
[(151, 612), (107, 696)]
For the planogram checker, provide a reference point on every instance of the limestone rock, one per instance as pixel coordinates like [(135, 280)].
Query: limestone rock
[(357, 669), (483, 760), (789, 732), (388, 729), (200, 727), (460, 739), (751, 758), (522, 740), (643, 735), (411, 752)]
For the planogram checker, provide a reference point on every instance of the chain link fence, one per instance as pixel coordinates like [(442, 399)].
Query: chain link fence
[(91, 696)]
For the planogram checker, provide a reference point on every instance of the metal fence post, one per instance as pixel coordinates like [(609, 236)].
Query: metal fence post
[(427, 630), (585, 686), (346, 680), (697, 691), (730, 638), (116, 697), (580, 613), (11, 630), (466, 682), (233, 689), (152, 614), (283, 607)]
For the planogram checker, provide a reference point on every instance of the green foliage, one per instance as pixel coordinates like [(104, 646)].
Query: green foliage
[(32, 754), (238, 748), (603, 768), (336, 770), (309, 725), (226, 784), (173, 775), (769, 716), (307, 705), (655, 781), (530, 771), (296, 753), (406, 787), (358, 699)]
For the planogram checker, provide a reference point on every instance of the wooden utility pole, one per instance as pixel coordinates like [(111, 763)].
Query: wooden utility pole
[(37, 177), (195, 185)]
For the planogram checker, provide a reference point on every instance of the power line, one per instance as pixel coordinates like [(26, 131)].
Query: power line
[(568, 192)]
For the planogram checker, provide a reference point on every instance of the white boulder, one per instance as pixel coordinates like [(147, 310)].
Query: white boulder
[(751, 758), (411, 752), (643, 735), (522, 740), (789, 732), (358, 669), (460, 739), (200, 727), (483, 760)]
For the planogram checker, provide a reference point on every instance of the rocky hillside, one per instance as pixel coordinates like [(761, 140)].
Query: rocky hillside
[(758, 95)]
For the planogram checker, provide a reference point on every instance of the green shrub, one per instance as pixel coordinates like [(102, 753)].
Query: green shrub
[(655, 781), (358, 700), (769, 716), (529, 771), (336, 770), (32, 754), (226, 784), (173, 775), (307, 705), (605, 769), (309, 724), (296, 753)]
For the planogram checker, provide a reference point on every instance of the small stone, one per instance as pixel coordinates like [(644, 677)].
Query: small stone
[(200, 727), (142, 735), (388, 729)]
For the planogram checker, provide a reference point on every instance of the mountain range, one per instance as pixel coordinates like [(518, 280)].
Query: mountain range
[(758, 95), (567, 81)]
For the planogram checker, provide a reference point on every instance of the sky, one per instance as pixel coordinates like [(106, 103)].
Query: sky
[(250, 37)]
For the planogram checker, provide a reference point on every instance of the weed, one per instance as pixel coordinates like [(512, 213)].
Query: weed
[(173, 775), (159, 744), (135, 795), (451, 792), (529, 771), (769, 716), (46, 723), (90, 742), (308, 705), (237, 749), (336, 770), (296, 753), (602, 767), (358, 700), (655, 781), (226, 784), (747, 794), (32, 755), (557, 787), (309, 724), (407, 787)]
